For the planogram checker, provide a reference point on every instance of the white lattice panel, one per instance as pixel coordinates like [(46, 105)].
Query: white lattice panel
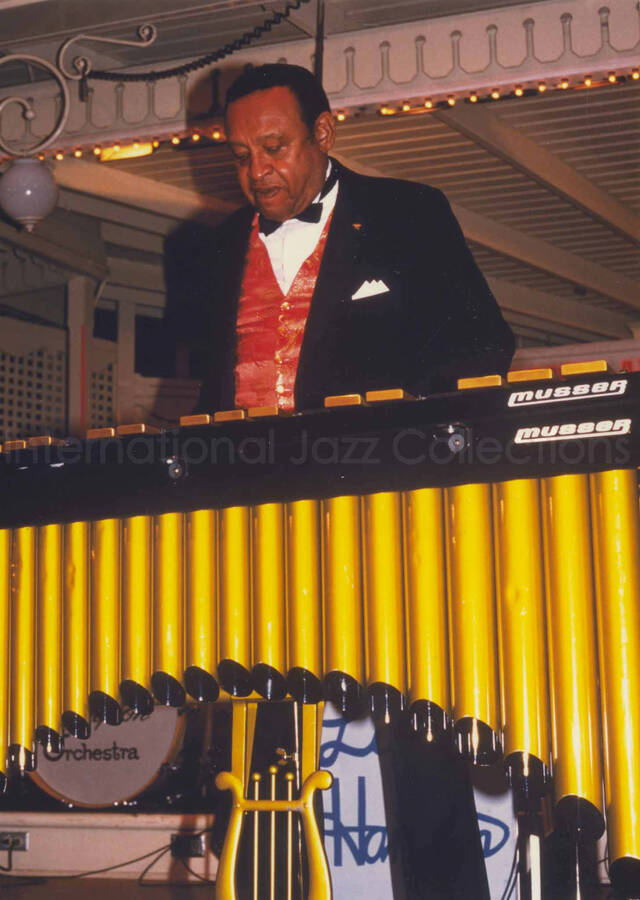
[(32, 380)]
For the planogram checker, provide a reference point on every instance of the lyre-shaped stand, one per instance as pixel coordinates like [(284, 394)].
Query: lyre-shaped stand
[(237, 781)]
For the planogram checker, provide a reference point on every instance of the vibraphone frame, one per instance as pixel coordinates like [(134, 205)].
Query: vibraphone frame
[(230, 556)]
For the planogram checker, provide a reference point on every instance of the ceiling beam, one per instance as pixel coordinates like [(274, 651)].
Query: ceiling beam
[(108, 211), (99, 180), (533, 251), (62, 245), (139, 297), (546, 332), (517, 298), (132, 238), (140, 275), (547, 257), (503, 140)]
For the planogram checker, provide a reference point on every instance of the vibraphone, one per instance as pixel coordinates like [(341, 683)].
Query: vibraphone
[(474, 556)]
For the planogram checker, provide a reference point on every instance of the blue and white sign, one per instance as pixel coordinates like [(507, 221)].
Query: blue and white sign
[(354, 819)]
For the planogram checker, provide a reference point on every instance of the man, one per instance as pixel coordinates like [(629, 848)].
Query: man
[(392, 297), (330, 283)]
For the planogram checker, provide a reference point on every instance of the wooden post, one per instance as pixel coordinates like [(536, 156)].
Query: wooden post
[(80, 296), (125, 390)]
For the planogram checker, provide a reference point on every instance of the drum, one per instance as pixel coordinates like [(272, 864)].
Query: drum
[(115, 764)]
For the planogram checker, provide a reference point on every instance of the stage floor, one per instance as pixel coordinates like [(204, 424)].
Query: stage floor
[(113, 889), (102, 889)]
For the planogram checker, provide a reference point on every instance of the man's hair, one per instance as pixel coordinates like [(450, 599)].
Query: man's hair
[(307, 90)]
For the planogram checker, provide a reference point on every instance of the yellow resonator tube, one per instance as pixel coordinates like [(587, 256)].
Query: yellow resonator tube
[(49, 636), (168, 609), (617, 539), (136, 613), (386, 675), (523, 650), (76, 630), (234, 668), (201, 614), (427, 631), (269, 640), (343, 610), (304, 574), (105, 620), (5, 643), (573, 664), (476, 704), (23, 657)]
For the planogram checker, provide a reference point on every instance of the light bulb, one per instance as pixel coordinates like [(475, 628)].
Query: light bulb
[(28, 192)]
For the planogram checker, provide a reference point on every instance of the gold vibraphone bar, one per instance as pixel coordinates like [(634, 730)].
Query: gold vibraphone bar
[(507, 609)]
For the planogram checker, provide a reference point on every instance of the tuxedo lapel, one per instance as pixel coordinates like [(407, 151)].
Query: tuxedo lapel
[(334, 282), (229, 269)]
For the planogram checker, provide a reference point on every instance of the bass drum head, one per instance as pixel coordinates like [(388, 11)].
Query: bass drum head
[(115, 764)]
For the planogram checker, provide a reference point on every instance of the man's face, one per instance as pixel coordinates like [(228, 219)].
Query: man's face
[(280, 165)]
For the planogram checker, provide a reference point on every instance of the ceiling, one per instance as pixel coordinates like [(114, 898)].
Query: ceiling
[(187, 28), (190, 28)]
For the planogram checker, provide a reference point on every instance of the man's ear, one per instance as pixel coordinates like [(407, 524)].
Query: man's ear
[(324, 131)]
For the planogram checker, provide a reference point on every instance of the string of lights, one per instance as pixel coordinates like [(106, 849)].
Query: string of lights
[(497, 94), (215, 132)]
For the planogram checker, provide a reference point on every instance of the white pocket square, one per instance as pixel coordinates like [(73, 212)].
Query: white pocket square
[(370, 289)]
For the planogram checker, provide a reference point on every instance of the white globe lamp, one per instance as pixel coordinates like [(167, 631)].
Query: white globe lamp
[(28, 192)]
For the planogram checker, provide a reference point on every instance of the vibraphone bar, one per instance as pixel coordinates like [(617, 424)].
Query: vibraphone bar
[(475, 556)]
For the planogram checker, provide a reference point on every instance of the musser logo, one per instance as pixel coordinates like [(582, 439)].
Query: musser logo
[(572, 430), (568, 392)]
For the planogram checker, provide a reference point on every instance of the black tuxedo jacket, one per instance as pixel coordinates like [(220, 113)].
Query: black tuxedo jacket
[(437, 322)]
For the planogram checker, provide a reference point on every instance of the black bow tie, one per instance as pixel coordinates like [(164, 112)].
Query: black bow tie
[(311, 213)]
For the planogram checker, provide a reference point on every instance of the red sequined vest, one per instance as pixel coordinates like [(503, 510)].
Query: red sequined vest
[(270, 326)]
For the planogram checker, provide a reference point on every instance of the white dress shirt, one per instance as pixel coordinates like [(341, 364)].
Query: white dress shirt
[(294, 241)]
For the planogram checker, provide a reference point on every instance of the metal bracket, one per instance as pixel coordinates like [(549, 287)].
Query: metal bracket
[(82, 65)]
